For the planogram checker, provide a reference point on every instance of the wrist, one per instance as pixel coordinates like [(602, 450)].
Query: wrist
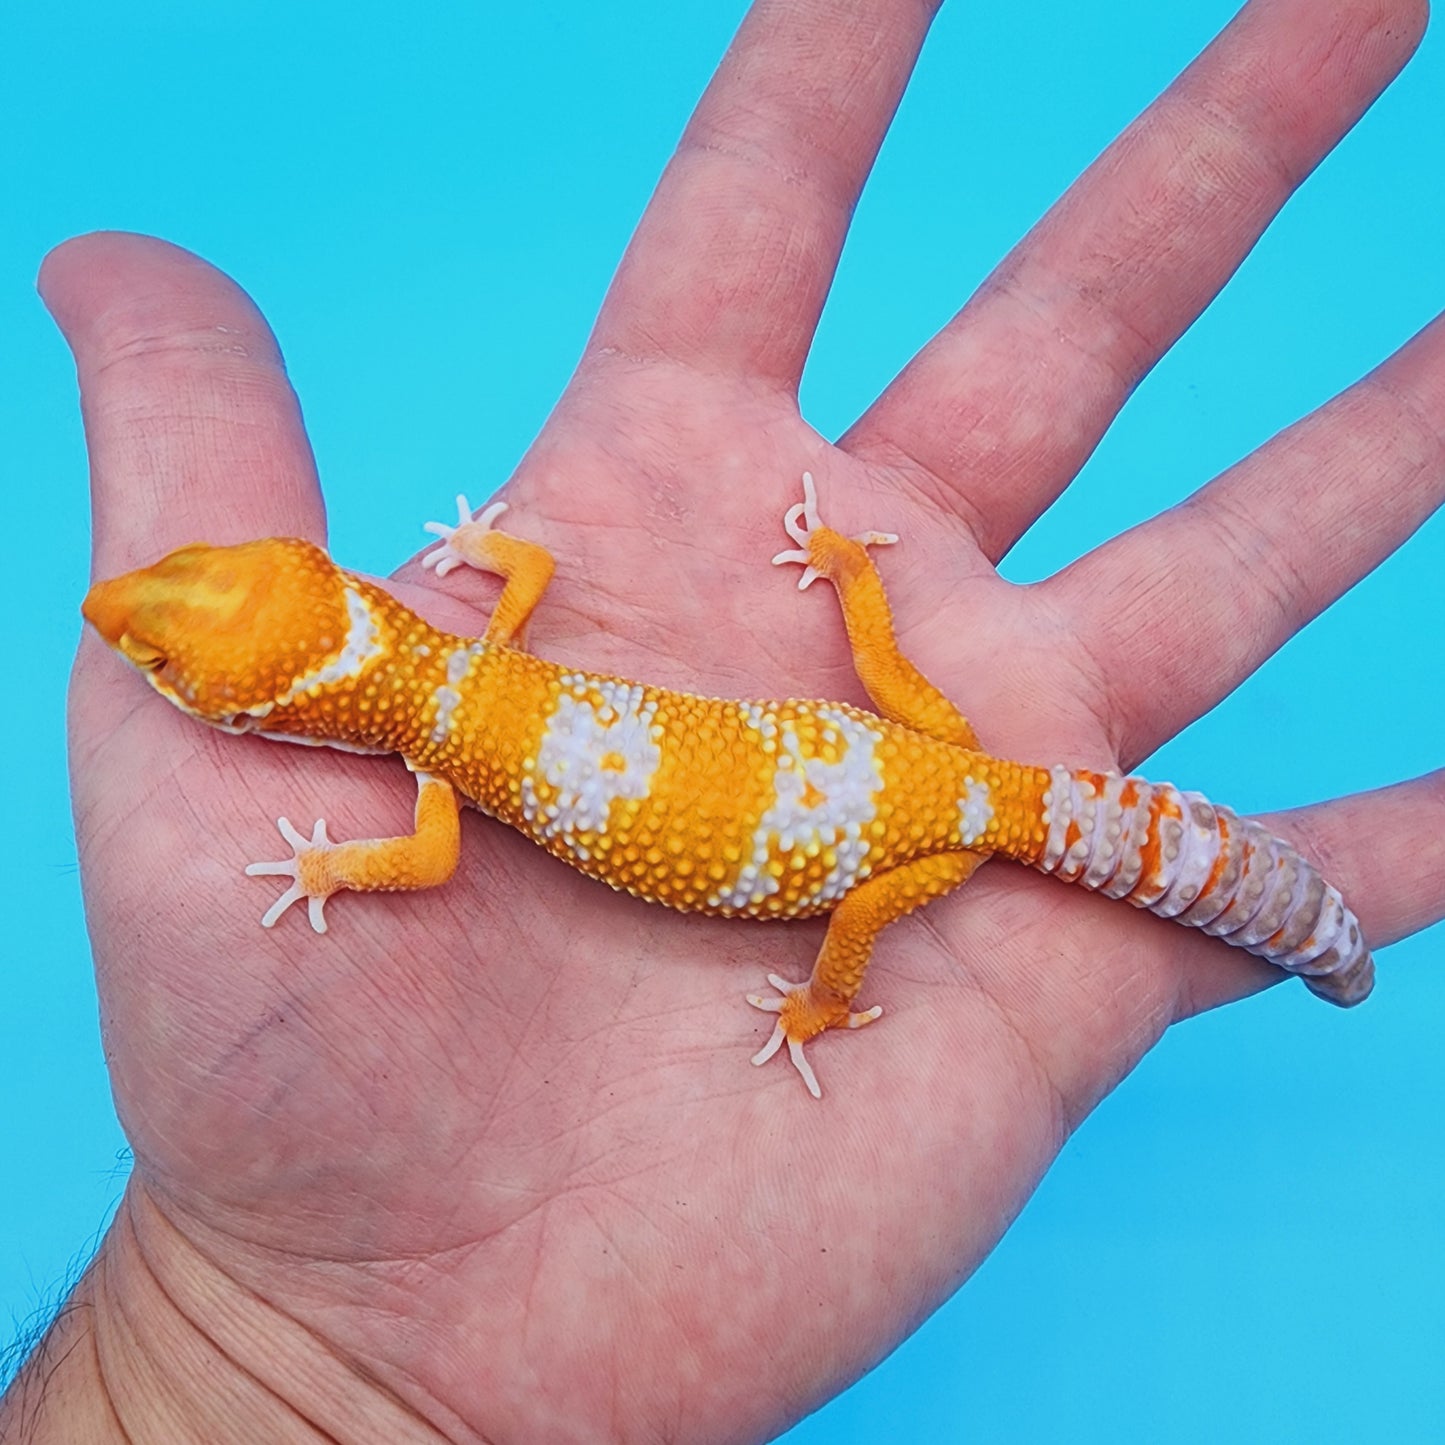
[(157, 1343)]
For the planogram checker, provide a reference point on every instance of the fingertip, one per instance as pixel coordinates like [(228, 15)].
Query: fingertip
[(107, 284), (78, 259)]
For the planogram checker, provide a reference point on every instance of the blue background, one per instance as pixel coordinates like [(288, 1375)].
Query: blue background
[(1245, 1241)]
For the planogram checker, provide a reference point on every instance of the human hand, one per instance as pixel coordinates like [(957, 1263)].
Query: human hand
[(462, 1144)]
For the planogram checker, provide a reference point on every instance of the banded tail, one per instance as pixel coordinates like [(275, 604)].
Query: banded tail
[(1182, 857)]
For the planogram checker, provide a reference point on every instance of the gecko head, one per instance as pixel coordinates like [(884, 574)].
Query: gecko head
[(228, 633)]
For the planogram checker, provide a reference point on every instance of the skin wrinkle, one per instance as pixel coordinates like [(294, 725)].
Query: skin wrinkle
[(781, 250), (1267, 562), (94, 832), (99, 1276), (1061, 1113), (697, 367), (750, 82), (1134, 727), (181, 345), (111, 1371), (912, 474), (210, 1338), (1242, 136), (1198, 202), (1071, 440), (1245, 100), (108, 1393), (1265, 68), (1334, 442), (1142, 1029), (830, 117), (1071, 1100), (1093, 684), (1099, 350), (457, 1432), (1357, 38), (123, 688), (1406, 407), (725, 146), (348, 1366)]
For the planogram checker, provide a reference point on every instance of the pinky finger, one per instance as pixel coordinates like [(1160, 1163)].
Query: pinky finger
[(1384, 850)]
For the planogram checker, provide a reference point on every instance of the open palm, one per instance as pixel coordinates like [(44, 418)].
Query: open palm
[(488, 1161)]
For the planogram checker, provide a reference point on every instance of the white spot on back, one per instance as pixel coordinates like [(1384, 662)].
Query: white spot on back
[(447, 698), (816, 805), (595, 720)]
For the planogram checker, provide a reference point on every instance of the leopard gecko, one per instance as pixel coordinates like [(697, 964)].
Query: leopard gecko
[(767, 809)]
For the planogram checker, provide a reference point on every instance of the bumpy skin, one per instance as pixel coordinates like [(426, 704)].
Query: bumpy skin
[(757, 809)]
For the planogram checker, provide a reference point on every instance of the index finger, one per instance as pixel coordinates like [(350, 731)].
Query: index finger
[(193, 430)]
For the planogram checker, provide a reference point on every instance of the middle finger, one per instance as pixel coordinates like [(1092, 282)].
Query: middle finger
[(1001, 409)]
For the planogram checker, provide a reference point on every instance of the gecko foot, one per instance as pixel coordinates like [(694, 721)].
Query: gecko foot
[(801, 521), (310, 869), (802, 1017), (459, 543)]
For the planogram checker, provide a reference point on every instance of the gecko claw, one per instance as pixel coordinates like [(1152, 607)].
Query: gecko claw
[(801, 521), (306, 867), (795, 1052), (453, 552), (810, 573), (800, 1019)]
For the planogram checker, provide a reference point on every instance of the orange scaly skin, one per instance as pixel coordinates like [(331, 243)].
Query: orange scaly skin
[(756, 809)]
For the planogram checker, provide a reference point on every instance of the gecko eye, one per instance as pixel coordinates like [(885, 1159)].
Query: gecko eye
[(148, 659)]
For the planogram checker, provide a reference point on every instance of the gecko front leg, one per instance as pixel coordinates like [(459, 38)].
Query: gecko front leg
[(526, 567), (318, 867)]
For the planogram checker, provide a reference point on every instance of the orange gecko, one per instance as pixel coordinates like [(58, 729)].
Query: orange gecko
[(749, 809)]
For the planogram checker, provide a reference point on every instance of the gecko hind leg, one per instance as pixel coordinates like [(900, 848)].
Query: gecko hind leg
[(898, 689), (526, 567), (825, 1001)]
